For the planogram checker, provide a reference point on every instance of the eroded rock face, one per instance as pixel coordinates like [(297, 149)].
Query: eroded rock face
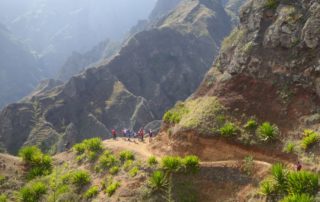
[(272, 60), (153, 70)]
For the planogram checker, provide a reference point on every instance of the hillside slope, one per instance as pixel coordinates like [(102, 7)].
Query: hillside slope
[(152, 71), (267, 71)]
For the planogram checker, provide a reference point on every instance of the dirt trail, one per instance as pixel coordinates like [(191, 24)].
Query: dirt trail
[(143, 150)]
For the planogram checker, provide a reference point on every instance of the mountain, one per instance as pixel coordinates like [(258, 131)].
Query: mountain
[(262, 92), (53, 29), (153, 70), (78, 62), (19, 68)]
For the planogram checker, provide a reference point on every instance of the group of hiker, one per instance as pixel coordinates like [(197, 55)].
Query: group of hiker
[(127, 133)]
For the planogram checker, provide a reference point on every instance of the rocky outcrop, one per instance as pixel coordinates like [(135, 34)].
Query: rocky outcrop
[(19, 69), (153, 70), (269, 66)]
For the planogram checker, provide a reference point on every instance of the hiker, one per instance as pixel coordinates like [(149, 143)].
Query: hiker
[(129, 134), (125, 132), (141, 134), (114, 133), (298, 166), (67, 146), (150, 134)]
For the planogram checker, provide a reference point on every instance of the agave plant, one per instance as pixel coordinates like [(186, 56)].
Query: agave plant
[(158, 181), (298, 198), (280, 174), (303, 182)]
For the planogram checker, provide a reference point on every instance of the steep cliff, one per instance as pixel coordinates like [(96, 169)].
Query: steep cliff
[(153, 70), (267, 71)]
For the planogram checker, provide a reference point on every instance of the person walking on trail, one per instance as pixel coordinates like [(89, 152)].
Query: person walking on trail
[(124, 132), (141, 134), (298, 166), (129, 133), (150, 133), (114, 133)]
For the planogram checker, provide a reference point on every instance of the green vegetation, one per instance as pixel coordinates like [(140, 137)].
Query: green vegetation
[(127, 165), (32, 192), (272, 4), (310, 138), (111, 189), (174, 115), (289, 147), (126, 155), (158, 181), (152, 161), (303, 182), (38, 163), (171, 163), (134, 171), (80, 178), (267, 132), (248, 165), (290, 185), (251, 125), (228, 130), (107, 160), (199, 111), (298, 198), (191, 163), (3, 198), (267, 188), (114, 170), (91, 192), (90, 148)]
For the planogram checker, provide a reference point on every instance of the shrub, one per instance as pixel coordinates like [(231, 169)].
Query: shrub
[(91, 192), (303, 182), (158, 181), (107, 161), (79, 148), (80, 178), (272, 4), (267, 131), (3, 198), (279, 174), (126, 155), (134, 171), (111, 189), (229, 129), (171, 163), (32, 192), (251, 125), (191, 163), (174, 115), (93, 144), (298, 198), (310, 138), (289, 147), (29, 154), (127, 165), (267, 188), (248, 165), (152, 161), (114, 170), (39, 163)]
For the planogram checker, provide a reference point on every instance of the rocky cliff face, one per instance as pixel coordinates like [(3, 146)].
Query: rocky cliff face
[(19, 69), (268, 68), (153, 70), (78, 62)]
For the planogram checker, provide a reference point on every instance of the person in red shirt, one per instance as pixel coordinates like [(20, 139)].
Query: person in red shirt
[(114, 133), (298, 166)]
